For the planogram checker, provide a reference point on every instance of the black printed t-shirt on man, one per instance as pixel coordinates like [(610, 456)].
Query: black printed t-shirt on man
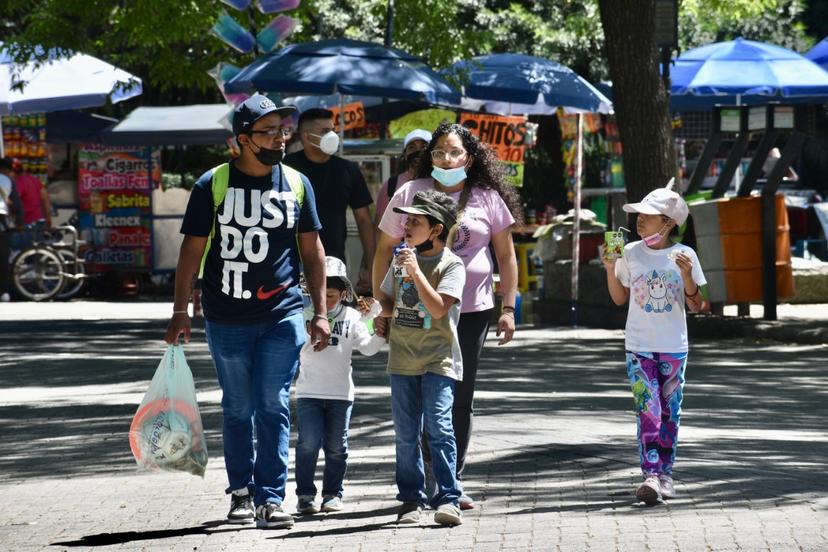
[(337, 184), (252, 269)]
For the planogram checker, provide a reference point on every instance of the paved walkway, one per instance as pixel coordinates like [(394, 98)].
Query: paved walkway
[(553, 461)]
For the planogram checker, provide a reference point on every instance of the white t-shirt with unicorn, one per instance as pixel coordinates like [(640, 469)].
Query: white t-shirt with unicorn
[(656, 321)]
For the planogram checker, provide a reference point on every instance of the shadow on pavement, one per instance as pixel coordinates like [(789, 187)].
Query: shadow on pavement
[(752, 421), (109, 539)]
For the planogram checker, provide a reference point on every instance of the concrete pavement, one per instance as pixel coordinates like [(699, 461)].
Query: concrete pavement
[(552, 466)]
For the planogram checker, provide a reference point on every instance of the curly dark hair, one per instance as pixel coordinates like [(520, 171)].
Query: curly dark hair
[(485, 172)]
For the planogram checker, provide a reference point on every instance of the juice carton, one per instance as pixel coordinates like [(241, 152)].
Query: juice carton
[(613, 245)]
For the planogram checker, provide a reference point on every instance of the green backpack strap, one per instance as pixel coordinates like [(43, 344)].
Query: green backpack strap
[(294, 179), (220, 183)]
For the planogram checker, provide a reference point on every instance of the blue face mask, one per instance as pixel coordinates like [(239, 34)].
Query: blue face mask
[(449, 177)]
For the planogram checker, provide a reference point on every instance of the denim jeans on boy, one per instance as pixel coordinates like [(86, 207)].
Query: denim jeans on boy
[(255, 364), (418, 401), (322, 423)]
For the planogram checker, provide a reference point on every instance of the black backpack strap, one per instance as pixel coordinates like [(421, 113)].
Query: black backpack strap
[(392, 185)]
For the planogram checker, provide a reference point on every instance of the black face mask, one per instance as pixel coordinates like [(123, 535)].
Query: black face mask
[(267, 156), (412, 158), (427, 245)]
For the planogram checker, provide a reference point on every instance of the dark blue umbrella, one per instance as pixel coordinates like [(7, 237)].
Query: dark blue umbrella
[(344, 66), (520, 84), (819, 53), (744, 67)]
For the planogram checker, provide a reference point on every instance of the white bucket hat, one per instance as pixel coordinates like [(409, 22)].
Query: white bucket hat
[(335, 268), (661, 201)]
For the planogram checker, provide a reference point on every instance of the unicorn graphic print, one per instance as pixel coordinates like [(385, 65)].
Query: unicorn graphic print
[(657, 292)]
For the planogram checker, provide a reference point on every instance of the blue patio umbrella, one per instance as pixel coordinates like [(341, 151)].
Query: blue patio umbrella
[(521, 84), (819, 53), (344, 66), (744, 67)]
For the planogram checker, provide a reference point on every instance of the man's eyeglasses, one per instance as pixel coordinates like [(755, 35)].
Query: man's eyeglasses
[(284, 132), (452, 155)]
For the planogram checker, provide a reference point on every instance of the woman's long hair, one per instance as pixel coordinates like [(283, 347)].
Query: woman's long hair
[(485, 172)]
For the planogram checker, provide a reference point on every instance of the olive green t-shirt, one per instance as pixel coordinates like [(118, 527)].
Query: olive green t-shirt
[(418, 343)]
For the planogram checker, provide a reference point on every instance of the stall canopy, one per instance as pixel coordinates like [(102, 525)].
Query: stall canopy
[(171, 126), (76, 127), (76, 82)]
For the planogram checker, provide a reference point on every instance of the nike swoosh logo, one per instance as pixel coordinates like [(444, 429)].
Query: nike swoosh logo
[(263, 295)]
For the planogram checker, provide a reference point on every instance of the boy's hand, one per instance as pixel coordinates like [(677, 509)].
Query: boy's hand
[(407, 258), (381, 326)]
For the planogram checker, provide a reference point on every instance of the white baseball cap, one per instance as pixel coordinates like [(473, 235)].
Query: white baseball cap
[(661, 201), (417, 134)]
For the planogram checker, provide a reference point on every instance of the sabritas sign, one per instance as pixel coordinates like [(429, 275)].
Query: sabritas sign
[(505, 135)]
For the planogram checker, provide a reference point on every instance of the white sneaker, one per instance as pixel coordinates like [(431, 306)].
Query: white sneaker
[(5, 298), (649, 492), (667, 489)]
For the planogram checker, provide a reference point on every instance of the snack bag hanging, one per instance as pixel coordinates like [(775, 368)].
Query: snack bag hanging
[(166, 431)]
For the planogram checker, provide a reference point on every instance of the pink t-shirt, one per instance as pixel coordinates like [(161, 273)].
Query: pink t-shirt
[(28, 187), (382, 195), (486, 214)]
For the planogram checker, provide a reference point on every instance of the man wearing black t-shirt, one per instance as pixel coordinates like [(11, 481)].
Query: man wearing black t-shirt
[(256, 220), (337, 184)]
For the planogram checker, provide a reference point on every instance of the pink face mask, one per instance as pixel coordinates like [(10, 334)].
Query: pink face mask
[(655, 238)]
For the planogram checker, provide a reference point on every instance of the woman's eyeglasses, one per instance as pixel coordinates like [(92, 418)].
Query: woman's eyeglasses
[(452, 155)]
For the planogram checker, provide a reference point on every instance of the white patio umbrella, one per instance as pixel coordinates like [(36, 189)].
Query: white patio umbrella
[(76, 82)]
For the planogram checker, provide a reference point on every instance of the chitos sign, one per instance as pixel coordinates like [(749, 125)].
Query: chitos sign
[(505, 135)]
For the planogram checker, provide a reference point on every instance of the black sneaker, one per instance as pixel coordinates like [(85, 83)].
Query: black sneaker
[(241, 509), (271, 516)]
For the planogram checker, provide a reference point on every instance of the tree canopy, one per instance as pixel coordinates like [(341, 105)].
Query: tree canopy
[(167, 42)]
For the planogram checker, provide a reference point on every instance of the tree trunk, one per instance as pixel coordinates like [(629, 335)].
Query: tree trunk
[(639, 96)]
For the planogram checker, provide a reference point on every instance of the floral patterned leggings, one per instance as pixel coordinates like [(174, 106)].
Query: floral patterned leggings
[(657, 381)]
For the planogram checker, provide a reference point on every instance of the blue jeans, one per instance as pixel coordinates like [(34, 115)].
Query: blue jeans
[(322, 423), (418, 401), (255, 364)]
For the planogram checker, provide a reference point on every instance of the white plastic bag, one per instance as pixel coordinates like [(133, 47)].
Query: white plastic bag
[(166, 431)]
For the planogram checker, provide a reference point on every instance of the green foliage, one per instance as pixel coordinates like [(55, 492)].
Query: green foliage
[(167, 42), (778, 22)]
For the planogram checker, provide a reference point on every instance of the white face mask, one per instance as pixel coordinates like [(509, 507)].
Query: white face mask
[(328, 142)]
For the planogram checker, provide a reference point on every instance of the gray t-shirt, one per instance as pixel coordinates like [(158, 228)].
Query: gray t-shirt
[(418, 343)]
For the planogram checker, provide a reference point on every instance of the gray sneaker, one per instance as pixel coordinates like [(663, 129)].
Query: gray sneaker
[(667, 488), (307, 505), (448, 514), (409, 513), (331, 504), (241, 509), (271, 516)]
